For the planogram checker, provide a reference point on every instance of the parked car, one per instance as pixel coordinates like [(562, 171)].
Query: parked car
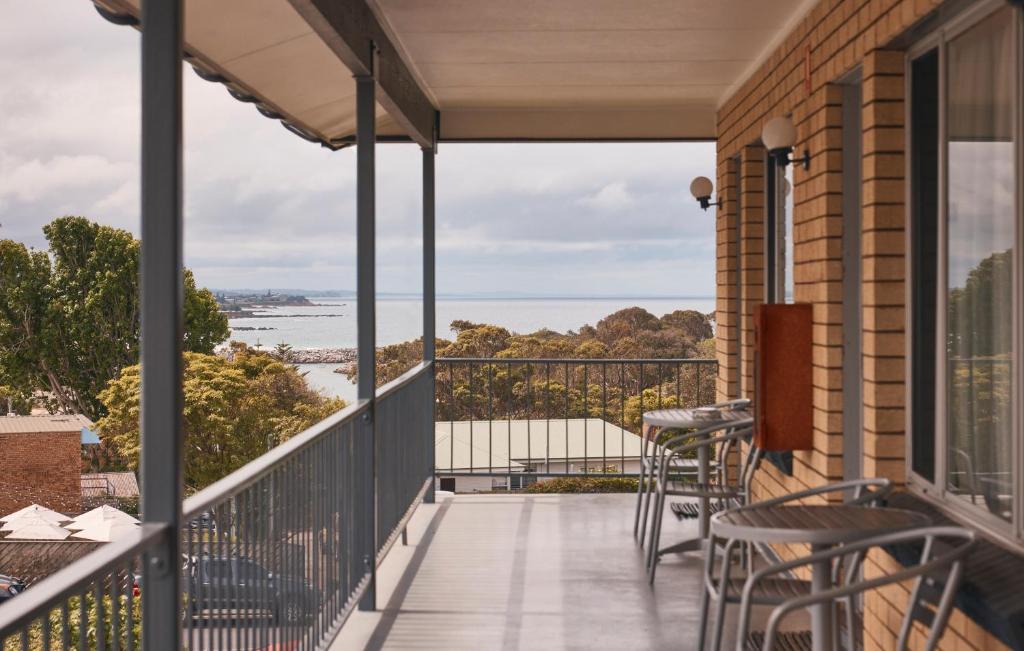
[(10, 587), (239, 583)]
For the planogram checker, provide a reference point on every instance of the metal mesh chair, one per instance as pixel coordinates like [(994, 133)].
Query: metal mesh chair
[(936, 579), (727, 589), (721, 487), (649, 447)]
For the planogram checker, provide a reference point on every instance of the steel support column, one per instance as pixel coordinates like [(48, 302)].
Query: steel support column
[(162, 321), (429, 301), (366, 137)]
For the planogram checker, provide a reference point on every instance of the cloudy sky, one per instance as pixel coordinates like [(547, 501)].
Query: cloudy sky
[(267, 209)]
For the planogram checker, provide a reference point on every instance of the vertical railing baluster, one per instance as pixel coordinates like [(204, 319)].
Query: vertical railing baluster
[(529, 421), (604, 417), (472, 409), (451, 416), (547, 417), (566, 420), (511, 397), (490, 419), (586, 419), (622, 415)]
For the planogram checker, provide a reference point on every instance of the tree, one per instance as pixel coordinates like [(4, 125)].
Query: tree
[(235, 410), (626, 323), (694, 325), (69, 321)]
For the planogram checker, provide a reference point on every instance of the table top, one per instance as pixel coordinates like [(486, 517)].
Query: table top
[(688, 419), (816, 524)]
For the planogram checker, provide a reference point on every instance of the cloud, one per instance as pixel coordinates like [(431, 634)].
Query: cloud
[(614, 196), (264, 208)]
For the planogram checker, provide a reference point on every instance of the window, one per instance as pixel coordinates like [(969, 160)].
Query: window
[(965, 125), (779, 181)]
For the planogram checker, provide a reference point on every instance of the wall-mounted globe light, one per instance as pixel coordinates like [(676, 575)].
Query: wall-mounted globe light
[(778, 136), (701, 189)]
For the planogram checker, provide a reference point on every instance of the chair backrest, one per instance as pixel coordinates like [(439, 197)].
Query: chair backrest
[(936, 577), (863, 492)]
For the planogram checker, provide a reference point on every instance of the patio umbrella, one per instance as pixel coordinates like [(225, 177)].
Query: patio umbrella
[(26, 521), (100, 514), (40, 530), (37, 510), (106, 530)]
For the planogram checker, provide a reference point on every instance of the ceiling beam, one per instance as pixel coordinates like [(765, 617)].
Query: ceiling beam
[(353, 32)]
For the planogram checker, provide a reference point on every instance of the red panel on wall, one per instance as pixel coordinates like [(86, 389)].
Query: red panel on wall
[(783, 376)]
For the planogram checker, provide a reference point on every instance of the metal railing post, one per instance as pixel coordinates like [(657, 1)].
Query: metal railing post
[(366, 137), (162, 321), (429, 305)]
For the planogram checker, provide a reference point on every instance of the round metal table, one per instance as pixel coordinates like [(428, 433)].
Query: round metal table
[(821, 526), (690, 419)]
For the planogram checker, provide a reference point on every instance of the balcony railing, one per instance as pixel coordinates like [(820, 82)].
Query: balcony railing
[(524, 419), (278, 552)]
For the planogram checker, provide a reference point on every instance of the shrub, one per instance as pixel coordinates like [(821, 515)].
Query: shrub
[(585, 485)]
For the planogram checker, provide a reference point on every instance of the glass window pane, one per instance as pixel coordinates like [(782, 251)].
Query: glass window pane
[(981, 232), (786, 247), (924, 184)]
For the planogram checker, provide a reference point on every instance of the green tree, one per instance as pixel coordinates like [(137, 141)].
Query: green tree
[(235, 410), (69, 321)]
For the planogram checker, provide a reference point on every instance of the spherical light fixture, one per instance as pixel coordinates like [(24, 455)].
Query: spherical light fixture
[(778, 136), (701, 189)]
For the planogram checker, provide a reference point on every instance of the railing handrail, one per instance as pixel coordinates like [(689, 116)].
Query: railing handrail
[(573, 360), (409, 376), (251, 472), (21, 612)]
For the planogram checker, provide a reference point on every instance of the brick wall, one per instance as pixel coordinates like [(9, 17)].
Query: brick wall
[(800, 79), (41, 468), (727, 271)]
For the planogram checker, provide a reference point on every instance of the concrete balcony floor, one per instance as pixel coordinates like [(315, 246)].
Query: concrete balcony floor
[(530, 572)]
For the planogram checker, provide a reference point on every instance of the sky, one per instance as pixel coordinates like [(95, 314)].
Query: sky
[(264, 208)]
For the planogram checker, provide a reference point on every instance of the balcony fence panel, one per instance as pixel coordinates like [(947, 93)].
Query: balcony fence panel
[(525, 419), (275, 555), (404, 416)]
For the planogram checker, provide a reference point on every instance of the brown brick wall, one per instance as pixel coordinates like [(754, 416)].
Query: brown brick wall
[(752, 257), (727, 270), (41, 468), (883, 266), (833, 39)]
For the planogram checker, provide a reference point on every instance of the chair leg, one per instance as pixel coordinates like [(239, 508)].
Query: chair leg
[(647, 506), (705, 594), (655, 533), (639, 499), (655, 540), (723, 596)]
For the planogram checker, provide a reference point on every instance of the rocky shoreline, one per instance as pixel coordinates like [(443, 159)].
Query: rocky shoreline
[(323, 355)]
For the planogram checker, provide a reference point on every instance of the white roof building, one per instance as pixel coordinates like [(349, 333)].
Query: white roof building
[(516, 445)]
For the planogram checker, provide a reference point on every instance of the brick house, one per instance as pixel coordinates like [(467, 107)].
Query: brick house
[(42, 461), (911, 112)]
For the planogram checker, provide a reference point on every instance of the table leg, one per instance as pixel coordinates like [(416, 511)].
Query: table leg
[(821, 614)]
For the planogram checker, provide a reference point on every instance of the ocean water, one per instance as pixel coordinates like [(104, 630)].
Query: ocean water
[(332, 323)]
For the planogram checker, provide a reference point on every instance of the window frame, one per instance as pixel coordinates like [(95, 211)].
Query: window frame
[(1011, 532)]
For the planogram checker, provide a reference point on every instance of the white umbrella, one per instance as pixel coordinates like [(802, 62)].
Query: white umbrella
[(27, 521), (41, 531), (106, 530), (100, 514), (36, 509)]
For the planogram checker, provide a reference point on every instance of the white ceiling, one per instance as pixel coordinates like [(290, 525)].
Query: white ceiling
[(506, 69), (623, 68)]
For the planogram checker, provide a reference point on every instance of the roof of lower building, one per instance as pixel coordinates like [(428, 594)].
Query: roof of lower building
[(50, 423), (530, 442), (114, 484)]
